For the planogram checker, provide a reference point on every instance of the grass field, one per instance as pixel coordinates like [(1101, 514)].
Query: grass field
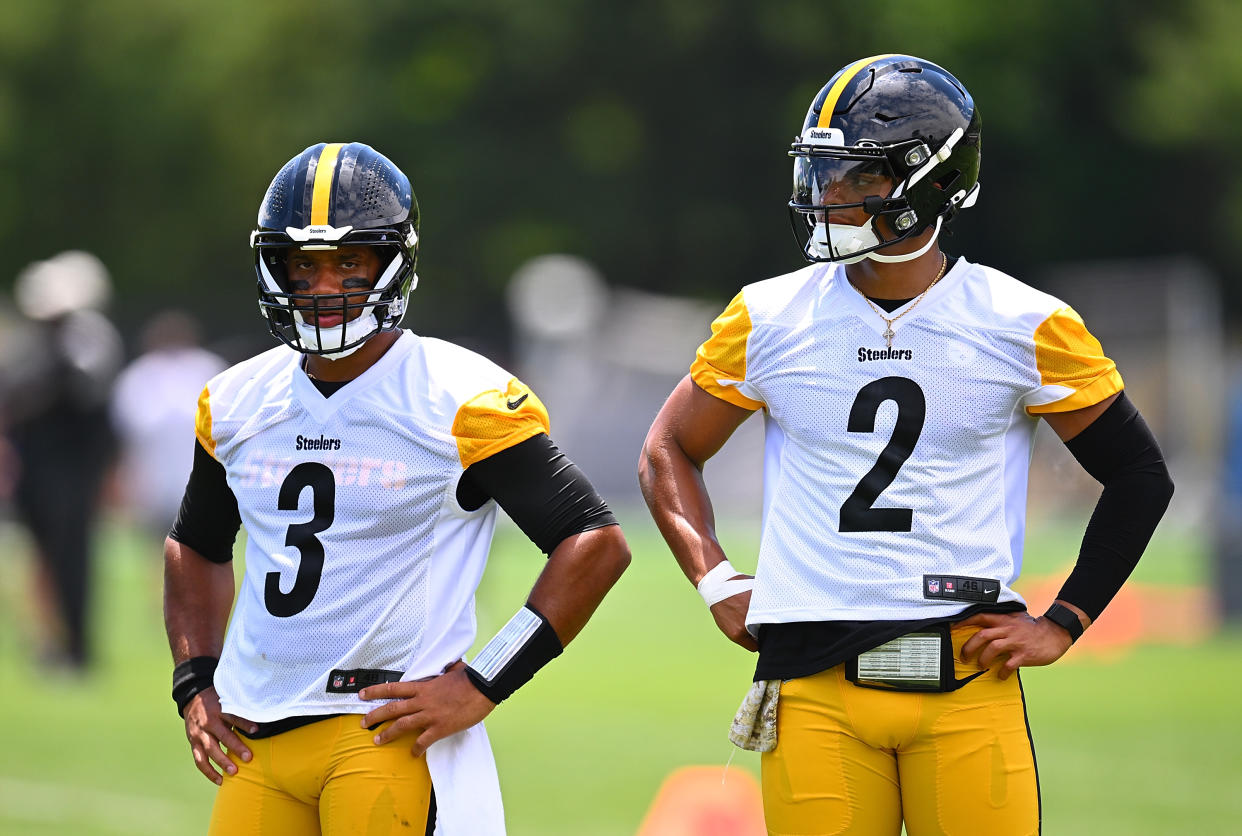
[(1144, 741)]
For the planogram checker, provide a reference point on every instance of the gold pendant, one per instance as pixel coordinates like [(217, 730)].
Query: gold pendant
[(888, 336)]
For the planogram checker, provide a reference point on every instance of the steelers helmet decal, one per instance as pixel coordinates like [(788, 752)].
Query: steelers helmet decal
[(333, 195), (895, 136)]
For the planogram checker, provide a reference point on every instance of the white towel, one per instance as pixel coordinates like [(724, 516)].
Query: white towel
[(463, 774)]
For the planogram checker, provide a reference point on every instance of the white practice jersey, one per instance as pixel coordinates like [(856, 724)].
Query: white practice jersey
[(893, 473), (358, 554)]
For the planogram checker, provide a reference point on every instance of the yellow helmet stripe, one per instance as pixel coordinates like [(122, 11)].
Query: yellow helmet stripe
[(324, 170), (830, 101)]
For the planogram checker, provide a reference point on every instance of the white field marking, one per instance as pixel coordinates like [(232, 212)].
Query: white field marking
[(117, 812)]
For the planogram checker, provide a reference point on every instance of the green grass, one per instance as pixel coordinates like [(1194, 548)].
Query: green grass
[(1145, 743)]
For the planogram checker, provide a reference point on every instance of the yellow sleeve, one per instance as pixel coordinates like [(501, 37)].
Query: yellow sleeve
[(719, 366), (1073, 370), (202, 423), (494, 420)]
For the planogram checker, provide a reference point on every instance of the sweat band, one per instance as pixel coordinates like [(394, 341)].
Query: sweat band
[(192, 677), (514, 655), (718, 584)]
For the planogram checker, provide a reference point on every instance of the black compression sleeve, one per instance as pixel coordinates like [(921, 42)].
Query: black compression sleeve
[(208, 521), (1119, 450), (540, 489)]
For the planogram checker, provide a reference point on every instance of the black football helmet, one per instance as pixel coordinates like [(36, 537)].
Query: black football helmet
[(894, 135), (331, 195)]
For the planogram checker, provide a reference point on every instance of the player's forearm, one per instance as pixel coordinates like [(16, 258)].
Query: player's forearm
[(577, 576), (198, 596), (1120, 451), (677, 497)]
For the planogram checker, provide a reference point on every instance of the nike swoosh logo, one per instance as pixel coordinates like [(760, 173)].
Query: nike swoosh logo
[(518, 402)]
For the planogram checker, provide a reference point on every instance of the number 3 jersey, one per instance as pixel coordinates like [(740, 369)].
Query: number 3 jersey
[(358, 555), (895, 478)]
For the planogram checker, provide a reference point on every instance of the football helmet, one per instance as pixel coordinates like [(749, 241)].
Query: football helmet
[(895, 136), (332, 195)]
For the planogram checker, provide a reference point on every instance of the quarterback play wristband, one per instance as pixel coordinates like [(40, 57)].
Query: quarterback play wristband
[(192, 677), (718, 584), (514, 655)]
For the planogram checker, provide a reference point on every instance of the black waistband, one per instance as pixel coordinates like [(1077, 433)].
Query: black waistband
[(805, 648)]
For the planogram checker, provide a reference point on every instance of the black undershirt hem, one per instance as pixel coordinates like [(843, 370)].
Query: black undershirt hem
[(275, 727)]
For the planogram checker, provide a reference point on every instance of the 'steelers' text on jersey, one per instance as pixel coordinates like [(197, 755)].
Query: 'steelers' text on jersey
[(885, 464), (357, 553)]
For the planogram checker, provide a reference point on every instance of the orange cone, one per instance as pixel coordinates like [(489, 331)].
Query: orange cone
[(705, 801)]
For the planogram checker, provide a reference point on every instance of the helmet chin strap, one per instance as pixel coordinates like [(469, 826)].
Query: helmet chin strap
[(841, 243), (891, 259), (317, 339)]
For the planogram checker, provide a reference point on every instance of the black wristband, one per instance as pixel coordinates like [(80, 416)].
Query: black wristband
[(514, 655), (192, 677), (1066, 619)]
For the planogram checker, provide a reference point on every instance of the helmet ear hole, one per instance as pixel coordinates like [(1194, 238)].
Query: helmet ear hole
[(948, 181)]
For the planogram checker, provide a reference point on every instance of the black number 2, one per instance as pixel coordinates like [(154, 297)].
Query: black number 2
[(857, 512), (317, 477)]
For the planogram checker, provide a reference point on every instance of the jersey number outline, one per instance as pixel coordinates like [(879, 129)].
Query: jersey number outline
[(301, 536), (858, 512)]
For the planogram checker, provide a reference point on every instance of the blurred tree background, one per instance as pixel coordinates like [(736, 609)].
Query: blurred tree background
[(648, 136)]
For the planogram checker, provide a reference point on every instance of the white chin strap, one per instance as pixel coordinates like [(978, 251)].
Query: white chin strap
[(316, 339), (842, 243)]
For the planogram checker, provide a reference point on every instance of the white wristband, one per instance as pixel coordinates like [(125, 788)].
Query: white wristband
[(718, 585)]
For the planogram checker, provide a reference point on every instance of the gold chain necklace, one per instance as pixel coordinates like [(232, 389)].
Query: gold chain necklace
[(888, 332)]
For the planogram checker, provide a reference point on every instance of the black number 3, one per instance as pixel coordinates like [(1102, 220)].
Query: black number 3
[(857, 513), (317, 477)]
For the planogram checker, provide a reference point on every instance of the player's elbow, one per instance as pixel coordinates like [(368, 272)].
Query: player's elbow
[(653, 462), (613, 556), (646, 469), (1164, 486)]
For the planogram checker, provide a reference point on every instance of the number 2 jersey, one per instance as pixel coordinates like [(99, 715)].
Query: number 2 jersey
[(358, 555), (895, 478)]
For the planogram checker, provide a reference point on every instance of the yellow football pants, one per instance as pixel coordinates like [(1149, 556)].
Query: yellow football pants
[(853, 760), (325, 778)]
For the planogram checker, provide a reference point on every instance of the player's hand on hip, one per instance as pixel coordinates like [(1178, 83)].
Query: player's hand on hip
[(1021, 640), (431, 709), (730, 615), (210, 732)]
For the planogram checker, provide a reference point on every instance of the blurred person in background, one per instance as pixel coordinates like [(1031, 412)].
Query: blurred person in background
[(55, 393), (152, 410), (900, 390), (1228, 533), (367, 465)]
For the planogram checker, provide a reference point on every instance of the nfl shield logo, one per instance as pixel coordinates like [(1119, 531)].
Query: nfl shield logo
[(338, 681), (933, 585)]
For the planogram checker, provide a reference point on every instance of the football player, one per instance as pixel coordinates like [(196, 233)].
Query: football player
[(367, 465), (900, 389)]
